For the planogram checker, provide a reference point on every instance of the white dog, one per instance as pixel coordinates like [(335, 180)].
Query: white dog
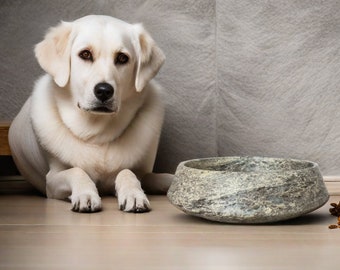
[(93, 122)]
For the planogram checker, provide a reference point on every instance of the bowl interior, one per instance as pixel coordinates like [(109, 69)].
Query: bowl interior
[(248, 164)]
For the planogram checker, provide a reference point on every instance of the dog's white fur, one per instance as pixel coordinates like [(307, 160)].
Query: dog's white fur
[(63, 145)]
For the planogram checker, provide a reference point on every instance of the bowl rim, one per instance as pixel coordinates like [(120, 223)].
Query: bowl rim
[(311, 164)]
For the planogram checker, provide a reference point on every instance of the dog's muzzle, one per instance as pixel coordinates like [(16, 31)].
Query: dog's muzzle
[(104, 103), (104, 94)]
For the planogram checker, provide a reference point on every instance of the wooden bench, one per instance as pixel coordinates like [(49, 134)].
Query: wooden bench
[(11, 182), (4, 147)]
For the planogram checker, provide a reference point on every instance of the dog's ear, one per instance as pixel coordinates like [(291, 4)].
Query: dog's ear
[(53, 53), (150, 57)]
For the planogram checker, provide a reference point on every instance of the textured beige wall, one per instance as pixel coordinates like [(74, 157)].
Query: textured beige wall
[(241, 77)]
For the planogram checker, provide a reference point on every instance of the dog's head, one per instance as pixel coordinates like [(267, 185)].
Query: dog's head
[(102, 60)]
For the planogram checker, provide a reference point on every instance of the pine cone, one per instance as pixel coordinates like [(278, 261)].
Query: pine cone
[(335, 210)]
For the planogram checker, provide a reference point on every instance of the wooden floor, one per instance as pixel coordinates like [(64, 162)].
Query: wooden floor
[(38, 233)]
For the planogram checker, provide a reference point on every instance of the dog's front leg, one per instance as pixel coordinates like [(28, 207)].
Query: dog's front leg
[(76, 185), (131, 197)]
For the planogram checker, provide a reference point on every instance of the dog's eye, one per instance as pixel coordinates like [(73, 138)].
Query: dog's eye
[(121, 59), (86, 55)]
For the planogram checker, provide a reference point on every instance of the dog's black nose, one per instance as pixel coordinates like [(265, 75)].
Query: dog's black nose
[(103, 91)]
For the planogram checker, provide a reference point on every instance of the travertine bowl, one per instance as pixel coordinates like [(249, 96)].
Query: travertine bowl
[(247, 189)]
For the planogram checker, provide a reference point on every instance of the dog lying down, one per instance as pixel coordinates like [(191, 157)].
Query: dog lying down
[(93, 122)]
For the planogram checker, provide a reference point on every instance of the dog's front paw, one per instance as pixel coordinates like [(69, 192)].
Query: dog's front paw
[(133, 201), (86, 202)]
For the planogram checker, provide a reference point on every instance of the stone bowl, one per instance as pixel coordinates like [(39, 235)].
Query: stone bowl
[(247, 190)]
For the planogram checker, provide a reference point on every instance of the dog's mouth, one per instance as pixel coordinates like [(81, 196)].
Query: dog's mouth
[(102, 109)]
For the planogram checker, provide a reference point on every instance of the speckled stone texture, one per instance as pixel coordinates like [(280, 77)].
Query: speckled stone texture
[(247, 189)]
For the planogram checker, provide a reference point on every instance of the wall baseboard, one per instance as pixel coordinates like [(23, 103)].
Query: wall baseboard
[(332, 184)]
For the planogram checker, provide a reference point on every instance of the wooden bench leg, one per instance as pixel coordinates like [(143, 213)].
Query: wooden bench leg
[(4, 146)]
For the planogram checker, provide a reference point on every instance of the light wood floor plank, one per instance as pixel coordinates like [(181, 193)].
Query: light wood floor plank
[(38, 233)]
